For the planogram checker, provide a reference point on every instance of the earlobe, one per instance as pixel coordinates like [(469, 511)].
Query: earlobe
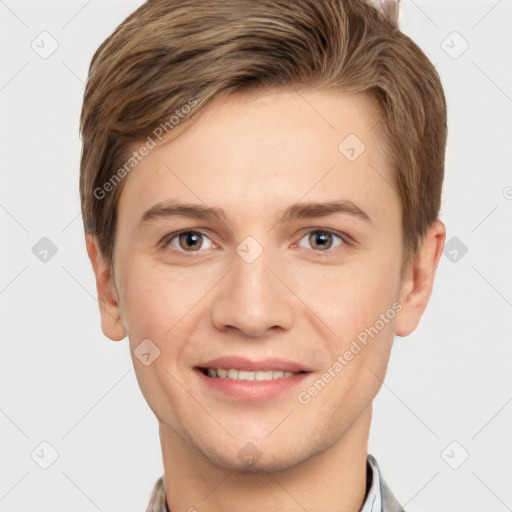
[(111, 323), (418, 281)]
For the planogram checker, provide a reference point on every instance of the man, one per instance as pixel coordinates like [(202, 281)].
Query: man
[(260, 186)]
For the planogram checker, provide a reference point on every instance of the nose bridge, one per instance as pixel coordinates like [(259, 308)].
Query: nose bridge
[(252, 299)]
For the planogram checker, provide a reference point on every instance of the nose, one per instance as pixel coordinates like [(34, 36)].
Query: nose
[(253, 298)]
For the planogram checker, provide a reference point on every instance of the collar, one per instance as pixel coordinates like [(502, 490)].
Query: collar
[(373, 501)]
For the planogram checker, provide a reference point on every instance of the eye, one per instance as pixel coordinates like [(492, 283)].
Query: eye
[(188, 241), (322, 240)]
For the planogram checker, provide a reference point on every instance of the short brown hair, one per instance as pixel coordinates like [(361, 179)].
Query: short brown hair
[(172, 53)]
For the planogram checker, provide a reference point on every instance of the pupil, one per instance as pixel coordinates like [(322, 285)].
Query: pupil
[(191, 240), (323, 239)]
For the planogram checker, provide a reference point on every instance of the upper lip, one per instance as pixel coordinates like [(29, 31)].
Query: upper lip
[(242, 363)]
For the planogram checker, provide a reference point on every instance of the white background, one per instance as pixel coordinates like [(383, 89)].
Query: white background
[(64, 383)]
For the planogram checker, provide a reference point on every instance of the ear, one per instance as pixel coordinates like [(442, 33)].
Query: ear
[(418, 279), (111, 323)]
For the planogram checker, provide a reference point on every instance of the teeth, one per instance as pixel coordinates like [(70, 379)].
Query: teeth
[(232, 373), (244, 375), (263, 375)]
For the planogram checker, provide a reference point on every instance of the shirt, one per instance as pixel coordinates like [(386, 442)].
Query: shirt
[(373, 501), (379, 497)]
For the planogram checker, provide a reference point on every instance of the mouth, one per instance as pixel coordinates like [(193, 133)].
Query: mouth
[(241, 379), (248, 375)]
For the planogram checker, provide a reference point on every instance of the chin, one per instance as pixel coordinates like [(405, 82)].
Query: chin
[(250, 459)]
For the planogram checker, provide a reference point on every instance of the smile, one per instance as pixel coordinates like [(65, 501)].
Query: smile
[(235, 374)]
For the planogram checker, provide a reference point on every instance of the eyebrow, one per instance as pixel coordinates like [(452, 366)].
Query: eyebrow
[(310, 210)]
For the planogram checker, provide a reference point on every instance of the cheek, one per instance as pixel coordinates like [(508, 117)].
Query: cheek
[(358, 304), (149, 305), (155, 306), (163, 303), (351, 296)]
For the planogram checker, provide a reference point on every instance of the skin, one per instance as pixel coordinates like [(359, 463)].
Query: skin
[(254, 155)]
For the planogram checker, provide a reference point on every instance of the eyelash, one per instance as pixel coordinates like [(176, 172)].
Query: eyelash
[(345, 239)]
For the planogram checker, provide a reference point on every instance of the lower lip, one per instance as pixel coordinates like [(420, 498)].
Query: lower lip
[(250, 390)]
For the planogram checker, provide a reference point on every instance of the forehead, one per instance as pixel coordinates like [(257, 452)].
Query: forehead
[(262, 150)]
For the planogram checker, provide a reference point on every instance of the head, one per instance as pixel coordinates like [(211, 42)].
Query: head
[(300, 149)]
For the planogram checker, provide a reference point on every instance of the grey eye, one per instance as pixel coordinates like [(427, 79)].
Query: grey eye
[(321, 240)]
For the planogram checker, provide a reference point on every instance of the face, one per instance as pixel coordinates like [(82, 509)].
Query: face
[(286, 257)]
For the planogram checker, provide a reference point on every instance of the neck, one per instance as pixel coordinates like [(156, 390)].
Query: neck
[(333, 480)]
